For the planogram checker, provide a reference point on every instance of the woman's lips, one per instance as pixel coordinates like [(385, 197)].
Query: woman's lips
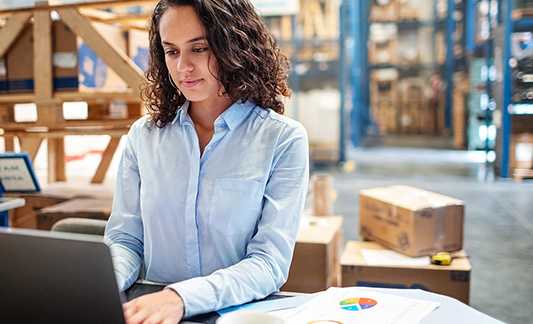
[(190, 83)]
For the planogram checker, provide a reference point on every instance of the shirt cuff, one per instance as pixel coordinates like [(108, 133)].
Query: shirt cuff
[(197, 294)]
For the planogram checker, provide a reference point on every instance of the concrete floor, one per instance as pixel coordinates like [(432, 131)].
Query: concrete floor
[(498, 217)]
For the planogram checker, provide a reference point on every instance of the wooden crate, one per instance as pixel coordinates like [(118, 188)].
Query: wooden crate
[(388, 12)]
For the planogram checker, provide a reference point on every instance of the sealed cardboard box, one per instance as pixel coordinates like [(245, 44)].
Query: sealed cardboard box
[(452, 280), (411, 220), (75, 65), (138, 48), (315, 264), (3, 76)]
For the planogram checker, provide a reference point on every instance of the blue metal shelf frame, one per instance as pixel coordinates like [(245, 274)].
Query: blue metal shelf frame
[(450, 64), (359, 75), (342, 81), (507, 5)]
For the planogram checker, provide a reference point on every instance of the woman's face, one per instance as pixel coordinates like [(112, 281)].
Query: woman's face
[(189, 59)]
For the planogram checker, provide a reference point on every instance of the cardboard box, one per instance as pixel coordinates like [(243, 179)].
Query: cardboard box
[(412, 221), (3, 75), (19, 61), (315, 264), (75, 65), (452, 280), (138, 48)]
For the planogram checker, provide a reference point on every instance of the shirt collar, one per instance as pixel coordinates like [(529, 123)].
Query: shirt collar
[(235, 114), (182, 114), (232, 116)]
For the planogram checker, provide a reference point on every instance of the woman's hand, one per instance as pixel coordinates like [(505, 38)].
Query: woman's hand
[(164, 307)]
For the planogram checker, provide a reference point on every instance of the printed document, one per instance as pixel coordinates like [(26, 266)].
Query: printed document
[(353, 305)]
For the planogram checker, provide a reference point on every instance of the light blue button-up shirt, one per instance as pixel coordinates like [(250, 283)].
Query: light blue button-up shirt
[(220, 227)]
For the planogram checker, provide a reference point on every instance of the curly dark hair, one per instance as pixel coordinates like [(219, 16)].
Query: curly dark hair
[(251, 67)]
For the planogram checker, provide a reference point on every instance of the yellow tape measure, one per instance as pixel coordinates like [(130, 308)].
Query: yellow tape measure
[(441, 258)]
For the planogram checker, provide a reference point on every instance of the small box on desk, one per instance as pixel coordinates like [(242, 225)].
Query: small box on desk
[(452, 280), (412, 221), (315, 264)]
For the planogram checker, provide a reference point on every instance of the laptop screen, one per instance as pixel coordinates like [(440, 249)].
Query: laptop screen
[(51, 277)]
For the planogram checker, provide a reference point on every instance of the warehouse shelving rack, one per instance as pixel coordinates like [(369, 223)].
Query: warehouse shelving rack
[(361, 120), (507, 25)]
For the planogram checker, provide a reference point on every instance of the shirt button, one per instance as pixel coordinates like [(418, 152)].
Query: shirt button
[(209, 148)]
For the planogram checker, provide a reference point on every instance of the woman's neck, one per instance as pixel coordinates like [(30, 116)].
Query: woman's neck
[(204, 113)]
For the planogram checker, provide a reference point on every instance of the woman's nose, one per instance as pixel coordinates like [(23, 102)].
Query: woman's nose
[(184, 63)]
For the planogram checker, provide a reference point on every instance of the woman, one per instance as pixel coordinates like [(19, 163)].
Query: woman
[(212, 183)]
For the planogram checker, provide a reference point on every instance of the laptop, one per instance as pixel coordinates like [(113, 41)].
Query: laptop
[(53, 278)]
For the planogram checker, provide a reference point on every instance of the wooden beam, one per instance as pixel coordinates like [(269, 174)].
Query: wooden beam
[(84, 4), (56, 160), (9, 33), (9, 143), (67, 132), (99, 96), (30, 144), (100, 173), (42, 58), (106, 50), (107, 123)]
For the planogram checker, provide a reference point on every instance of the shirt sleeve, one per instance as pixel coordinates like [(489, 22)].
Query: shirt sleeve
[(268, 255), (124, 233)]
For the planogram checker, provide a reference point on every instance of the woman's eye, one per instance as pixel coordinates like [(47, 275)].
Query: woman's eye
[(200, 50), (171, 52)]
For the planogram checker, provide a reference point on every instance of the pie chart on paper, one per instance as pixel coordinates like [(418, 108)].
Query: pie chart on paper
[(357, 304)]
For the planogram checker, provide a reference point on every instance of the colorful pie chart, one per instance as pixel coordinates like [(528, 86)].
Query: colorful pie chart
[(357, 304)]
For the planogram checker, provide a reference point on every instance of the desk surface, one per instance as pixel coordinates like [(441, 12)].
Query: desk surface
[(450, 310)]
